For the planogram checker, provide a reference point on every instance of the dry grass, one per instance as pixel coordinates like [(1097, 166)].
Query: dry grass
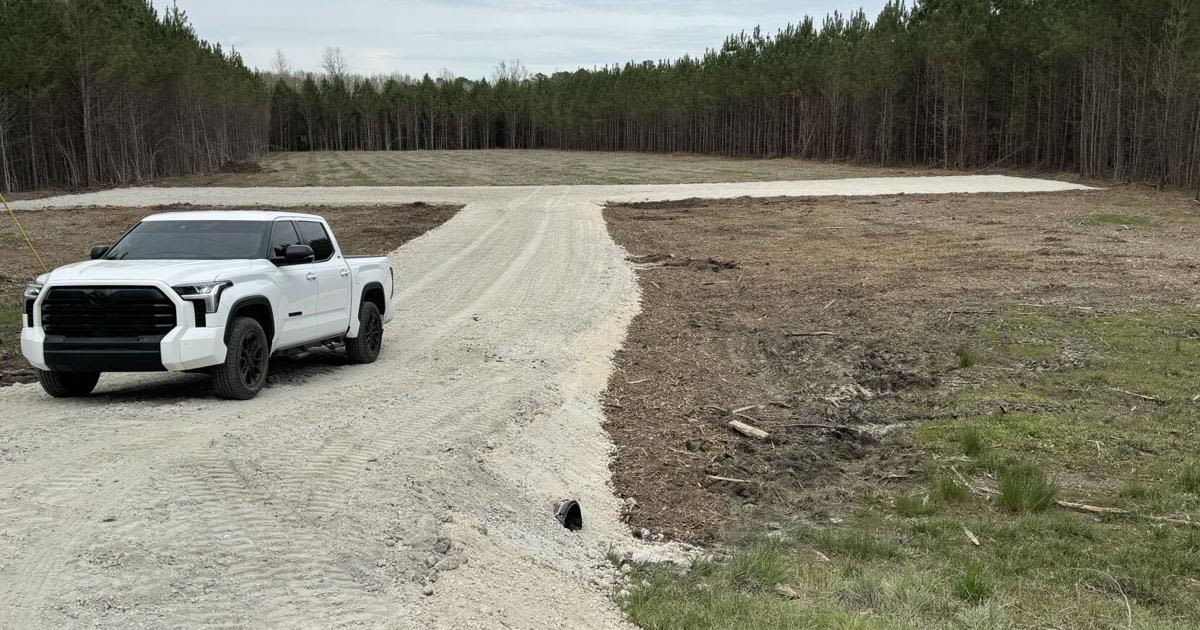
[(524, 167)]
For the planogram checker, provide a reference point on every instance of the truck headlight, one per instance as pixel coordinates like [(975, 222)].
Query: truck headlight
[(208, 292), (28, 296)]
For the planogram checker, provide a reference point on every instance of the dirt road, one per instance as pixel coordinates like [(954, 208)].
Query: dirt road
[(414, 492)]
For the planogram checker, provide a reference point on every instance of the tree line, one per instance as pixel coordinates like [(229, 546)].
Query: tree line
[(108, 91), (1104, 88)]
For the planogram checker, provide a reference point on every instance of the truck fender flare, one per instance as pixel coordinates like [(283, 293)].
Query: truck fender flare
[(251, 300), (367, 287), (356, 308)]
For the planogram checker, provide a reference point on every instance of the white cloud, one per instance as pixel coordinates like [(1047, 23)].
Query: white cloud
[(469, 37)]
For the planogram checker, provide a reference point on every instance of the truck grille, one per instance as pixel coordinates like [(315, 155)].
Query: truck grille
[(107, 312)]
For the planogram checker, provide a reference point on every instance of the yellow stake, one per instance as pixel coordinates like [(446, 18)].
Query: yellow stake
[(24, 235)]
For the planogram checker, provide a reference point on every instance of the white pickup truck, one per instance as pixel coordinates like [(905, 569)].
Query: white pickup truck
[(204, 291)]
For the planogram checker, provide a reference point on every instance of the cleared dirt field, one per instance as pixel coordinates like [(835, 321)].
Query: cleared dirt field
[(521, 168), (921, 364)]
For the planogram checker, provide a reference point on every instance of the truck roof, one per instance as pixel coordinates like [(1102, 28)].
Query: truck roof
[(229, 215)]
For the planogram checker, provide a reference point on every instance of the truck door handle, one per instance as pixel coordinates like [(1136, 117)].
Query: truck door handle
[(345, 272), (310, 275)]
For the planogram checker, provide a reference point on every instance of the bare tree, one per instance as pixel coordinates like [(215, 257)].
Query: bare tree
[(510, 70), (7, 115), (334, 62), (280, 64)]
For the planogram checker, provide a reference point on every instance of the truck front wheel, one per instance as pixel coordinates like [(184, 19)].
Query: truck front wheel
[(68, 384), (366, 346), (244, 371)]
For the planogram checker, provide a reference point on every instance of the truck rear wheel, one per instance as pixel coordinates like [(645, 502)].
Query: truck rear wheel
[(244, 371), (366, 346), (68, 384)]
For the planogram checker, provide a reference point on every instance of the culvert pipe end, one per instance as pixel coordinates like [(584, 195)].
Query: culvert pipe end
[(570, 515)]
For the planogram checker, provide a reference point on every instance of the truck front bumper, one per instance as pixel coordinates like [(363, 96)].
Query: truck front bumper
[(181, 349), (191, 348), (187, 346), (33, 342)]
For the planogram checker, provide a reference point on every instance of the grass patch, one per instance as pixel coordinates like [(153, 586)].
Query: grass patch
[(947, 490), (966, 357), (1025, 488), (1031, 569), (1114, 218), (852, 544), (973, 443), (359, 178), (10, 319), (1188, 478), (1062, 426), (1137, 490), (761, 567), (1080, 408), (914, 505), (974, 585)]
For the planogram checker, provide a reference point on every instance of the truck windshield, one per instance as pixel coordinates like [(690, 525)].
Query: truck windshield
[(191, 240)]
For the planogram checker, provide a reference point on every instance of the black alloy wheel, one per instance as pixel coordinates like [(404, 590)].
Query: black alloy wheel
[(252, 360)]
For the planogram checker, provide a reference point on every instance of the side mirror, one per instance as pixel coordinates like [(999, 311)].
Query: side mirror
[(298, 254), (98, 251)]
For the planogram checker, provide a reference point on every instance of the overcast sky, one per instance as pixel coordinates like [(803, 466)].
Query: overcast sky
[(468, 37)]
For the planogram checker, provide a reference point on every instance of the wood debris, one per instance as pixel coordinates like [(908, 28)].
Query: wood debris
[(1155, 399), (748, 430), (729, 479), (786, 591)]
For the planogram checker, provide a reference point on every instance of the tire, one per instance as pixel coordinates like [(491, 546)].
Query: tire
[(68, 384), (366, 346), (247, 355)]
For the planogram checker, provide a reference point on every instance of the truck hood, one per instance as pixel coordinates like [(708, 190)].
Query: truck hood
[(172, 272)]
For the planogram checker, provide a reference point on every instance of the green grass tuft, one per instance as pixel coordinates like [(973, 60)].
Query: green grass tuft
[(967, 357), (761, 567), (613, 557), (1136, 490), (975, 585), (853, 544), (1113, 218), (1025, 488), (973, 444), (947, 490), (911, 505), (1189, 477)]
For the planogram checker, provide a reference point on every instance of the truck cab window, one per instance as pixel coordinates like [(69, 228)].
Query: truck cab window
[(283, 233), (314, 236), (190, 239)]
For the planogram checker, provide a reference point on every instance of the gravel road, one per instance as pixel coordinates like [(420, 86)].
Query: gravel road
[(415, 492)]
